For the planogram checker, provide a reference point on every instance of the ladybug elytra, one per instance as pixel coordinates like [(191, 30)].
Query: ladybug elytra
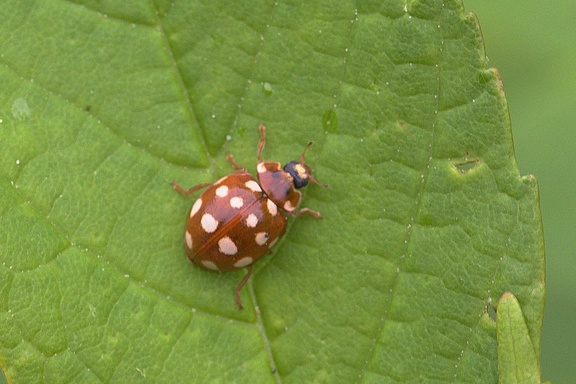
[(237, 220)]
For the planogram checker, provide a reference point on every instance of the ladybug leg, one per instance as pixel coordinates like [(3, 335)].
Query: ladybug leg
[(307, 211), (241, 285), (232, 162), (262, 141), (187, 192)]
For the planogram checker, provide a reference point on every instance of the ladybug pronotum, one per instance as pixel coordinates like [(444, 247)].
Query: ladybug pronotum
[(237, 220)]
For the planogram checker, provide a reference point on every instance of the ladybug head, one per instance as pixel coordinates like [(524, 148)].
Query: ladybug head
[(300, 172)]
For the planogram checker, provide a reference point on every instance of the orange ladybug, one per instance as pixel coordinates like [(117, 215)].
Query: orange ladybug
[(237, 220)]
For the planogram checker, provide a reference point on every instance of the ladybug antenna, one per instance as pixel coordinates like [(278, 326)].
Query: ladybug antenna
[(310, 178), (314, 181), (304, 153)]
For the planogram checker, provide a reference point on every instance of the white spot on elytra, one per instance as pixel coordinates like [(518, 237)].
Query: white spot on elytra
[(227, 246), (261, 238), (253, 186), (251, 220), (209, 223), (222, 191), (236, 202), (243, 262), (196, 207), (188, 238), (210, 265), (288, 206), (272, 208), (261, 168)]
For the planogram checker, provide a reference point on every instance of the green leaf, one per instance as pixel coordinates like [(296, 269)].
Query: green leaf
[(426, 220), (516, 358)]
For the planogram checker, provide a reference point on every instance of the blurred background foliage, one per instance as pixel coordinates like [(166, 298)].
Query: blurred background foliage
[(531, 43)]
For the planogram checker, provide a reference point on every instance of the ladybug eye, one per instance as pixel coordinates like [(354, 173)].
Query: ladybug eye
[(299, 173)]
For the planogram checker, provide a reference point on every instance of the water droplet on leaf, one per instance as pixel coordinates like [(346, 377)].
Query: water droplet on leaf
[(267, 88), (330, 121)]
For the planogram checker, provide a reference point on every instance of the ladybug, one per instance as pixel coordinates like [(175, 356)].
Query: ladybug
[(237, 220)]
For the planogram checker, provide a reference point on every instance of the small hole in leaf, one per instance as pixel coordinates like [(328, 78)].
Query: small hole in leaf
[(467, 165)]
